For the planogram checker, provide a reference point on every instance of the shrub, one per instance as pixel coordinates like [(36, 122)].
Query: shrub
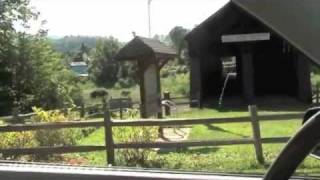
[(51, 138), (178, 85), (77, 97), (126, 83), (99, 93), (137, 157), (17, 140)]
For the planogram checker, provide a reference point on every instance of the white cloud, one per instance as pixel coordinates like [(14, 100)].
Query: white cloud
[(120, 17)]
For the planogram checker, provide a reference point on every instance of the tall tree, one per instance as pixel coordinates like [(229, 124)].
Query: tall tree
[(104, 69), (31, 73), (12, 13), (177, 35)]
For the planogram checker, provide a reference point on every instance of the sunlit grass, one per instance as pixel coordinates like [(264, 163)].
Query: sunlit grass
[(226, 159)]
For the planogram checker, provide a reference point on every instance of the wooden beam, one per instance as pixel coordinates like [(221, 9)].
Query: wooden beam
[(256, 133), (247, 72), (195, 80), (52, 150), (234, 38), (303, 77), (145, 122), (177, 122), (174, 144), (51, 126)]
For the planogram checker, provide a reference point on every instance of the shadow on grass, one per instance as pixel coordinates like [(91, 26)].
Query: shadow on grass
[(202, 150), (264, 103), (215, 128)]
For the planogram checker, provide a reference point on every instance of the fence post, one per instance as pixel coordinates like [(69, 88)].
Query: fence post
[(317, 94), (82, 111), (108, 136), (256, 133), (167, 109), (199, 100), (120, 109), (16, 116)]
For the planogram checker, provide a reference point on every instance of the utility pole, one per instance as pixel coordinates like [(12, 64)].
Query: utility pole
[(149, 16)]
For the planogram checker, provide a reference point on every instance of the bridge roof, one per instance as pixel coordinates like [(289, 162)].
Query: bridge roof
[(296, 21), (141, 47)]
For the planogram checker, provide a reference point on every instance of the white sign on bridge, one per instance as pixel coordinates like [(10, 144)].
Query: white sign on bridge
[(233, 38)]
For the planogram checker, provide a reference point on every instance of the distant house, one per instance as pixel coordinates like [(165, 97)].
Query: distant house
[(79, 64), (267, 46), (79, 68)]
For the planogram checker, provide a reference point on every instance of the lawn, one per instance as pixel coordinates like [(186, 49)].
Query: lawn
[(231, 159), (177, 85)]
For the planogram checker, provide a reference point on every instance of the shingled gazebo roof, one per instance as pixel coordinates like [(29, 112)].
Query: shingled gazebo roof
[(141, 47), (296, 21)]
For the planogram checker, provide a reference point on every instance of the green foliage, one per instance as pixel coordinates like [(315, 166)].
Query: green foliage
[(70, 44), (104, 69), (99, 93), (107, 72), (137, 157), (17, 140), (51, 138), (12, 13), (31, 72), (177, 35), (177, 84), (54, 85), (42, 138)]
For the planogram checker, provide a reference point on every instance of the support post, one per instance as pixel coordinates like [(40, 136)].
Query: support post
[(121, 109), (199, 100), (108, 136), (82, 111), (317, 94), (167, 108), (159, 115), (304, 79), (247, 73), (195, 81), (256, 133)]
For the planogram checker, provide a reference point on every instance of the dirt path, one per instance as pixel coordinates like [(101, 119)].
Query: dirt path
[(175, 134)]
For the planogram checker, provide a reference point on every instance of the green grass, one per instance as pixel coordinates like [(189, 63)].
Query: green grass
[(230, 159), (177, 85), (94, 158)]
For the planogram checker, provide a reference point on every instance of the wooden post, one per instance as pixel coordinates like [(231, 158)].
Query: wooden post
[(141, 110), (304, 79), (199, 100), (167, 108), (108, 136), (82, 111), (256, 133), (121, 110), (317, 94), (247, 73)]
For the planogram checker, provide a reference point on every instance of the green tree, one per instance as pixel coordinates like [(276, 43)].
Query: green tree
[(104, 69), (177, 35), (12, 13), (31, 72)]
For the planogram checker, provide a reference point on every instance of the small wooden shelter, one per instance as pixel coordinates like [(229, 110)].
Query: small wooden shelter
[(151, 55), (272, 43)]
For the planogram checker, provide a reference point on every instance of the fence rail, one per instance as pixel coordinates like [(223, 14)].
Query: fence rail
[(144, 122), (110, 145), (115, 105), (316, 94)]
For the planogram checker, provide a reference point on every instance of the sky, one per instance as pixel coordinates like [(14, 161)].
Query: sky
[(119, 18)]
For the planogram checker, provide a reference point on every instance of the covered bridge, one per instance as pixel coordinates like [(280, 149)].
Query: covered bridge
[(264, 48)]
